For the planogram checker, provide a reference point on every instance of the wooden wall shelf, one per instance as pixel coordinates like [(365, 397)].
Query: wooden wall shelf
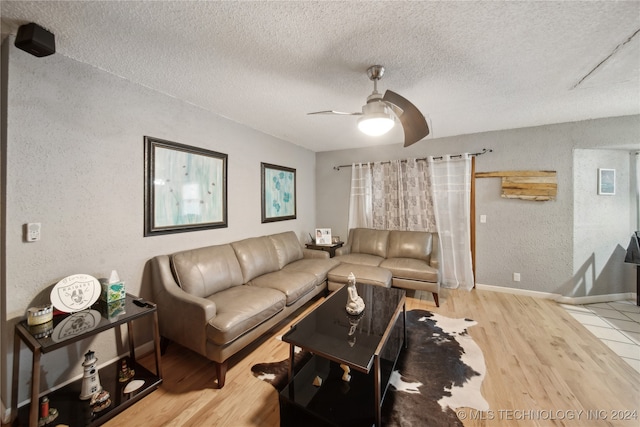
[(526, 185)]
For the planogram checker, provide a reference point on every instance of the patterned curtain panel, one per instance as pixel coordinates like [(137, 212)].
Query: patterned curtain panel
[(415, 195), (360, 203), (418, 199), (451, 179), (402, 197), (386, 213)]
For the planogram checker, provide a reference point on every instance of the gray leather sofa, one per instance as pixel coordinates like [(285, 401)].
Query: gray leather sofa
[(218, 299), (410, 256)]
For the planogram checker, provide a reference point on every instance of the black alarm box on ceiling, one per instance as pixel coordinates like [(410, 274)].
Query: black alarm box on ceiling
[(36, 40)]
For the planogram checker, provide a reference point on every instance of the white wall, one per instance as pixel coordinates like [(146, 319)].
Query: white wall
[(602, 224), (74, 162), (535, 239)]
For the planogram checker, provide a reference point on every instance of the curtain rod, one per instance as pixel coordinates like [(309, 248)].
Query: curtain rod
[(484, 150)]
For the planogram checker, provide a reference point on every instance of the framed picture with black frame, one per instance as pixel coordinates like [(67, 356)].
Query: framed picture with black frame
[(278, 185), (185, 188)]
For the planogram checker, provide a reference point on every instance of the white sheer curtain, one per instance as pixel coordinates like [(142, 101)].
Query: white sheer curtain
[(637, 191), (360, 203), (451, 183)]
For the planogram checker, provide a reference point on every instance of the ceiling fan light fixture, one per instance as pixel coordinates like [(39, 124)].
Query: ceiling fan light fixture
[(376, 118), (375, 124), (380, 112)]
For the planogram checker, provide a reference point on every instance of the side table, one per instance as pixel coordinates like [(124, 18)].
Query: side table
[(327, 248), (68, 329)]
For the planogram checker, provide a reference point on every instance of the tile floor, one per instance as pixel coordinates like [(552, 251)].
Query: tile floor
[(617, 324)]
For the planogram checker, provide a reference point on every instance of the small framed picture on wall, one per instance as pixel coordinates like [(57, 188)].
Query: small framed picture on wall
[(606, 182)]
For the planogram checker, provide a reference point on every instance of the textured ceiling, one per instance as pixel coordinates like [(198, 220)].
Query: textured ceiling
[(468, 66)]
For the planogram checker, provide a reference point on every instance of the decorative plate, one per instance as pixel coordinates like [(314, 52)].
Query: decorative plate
[(133, 386), (75, 293), (76, 324)]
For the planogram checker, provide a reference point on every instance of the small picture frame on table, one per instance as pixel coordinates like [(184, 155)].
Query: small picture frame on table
[(323, 236)]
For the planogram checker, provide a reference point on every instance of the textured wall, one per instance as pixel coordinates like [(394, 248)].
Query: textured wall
[(535, 239), (602, 227), (75, 164)]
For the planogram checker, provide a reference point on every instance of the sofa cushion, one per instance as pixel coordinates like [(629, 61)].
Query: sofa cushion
[(319, 267), (205, 271), (410, 244), (366, 274), (369, 241), (256, 256), (358, 258), (410, 268), (240, 309), (287, 247), (293, 284)]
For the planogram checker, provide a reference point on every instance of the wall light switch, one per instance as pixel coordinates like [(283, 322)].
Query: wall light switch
[(33, 231), (483, 219)]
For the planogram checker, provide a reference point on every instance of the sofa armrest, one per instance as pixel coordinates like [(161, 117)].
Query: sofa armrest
[(183, 317), (314, 253), (344, 250), (435, 252)]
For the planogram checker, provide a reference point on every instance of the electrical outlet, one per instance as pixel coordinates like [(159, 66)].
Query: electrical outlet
[(33, 232), (516, 277)]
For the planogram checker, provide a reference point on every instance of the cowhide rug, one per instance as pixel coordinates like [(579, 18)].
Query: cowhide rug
[(441, 370)]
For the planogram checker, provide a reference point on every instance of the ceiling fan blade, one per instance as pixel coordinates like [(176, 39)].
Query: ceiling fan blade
[(413, 121), (339, 113)]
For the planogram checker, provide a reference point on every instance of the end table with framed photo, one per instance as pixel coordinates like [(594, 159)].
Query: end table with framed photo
[(331, 248)]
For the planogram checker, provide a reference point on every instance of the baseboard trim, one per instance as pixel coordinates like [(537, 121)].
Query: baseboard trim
[(516, 291), (593, 299), (590, 299)]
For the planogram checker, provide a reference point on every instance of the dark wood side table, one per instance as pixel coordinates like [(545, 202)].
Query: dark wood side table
[(87, 323), (327, 248)]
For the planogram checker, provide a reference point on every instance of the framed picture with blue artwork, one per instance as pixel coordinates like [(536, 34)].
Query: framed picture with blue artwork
[(606, 182), (278, 192), (185, 188)]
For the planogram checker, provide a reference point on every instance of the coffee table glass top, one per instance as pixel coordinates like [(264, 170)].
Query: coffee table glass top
[(330, 332)]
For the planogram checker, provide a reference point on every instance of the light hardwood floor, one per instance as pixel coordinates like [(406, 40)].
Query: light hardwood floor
[(543, 369)]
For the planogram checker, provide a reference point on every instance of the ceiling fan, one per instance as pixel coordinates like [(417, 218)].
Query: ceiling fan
[(380, 112)]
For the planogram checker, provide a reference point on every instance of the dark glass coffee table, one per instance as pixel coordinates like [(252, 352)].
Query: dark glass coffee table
[(368, 345)]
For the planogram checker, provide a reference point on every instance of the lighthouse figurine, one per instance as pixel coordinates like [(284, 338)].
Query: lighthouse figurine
[(90, 379)]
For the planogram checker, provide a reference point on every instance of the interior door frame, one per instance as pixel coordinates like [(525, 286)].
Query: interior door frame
[(472, 218)]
